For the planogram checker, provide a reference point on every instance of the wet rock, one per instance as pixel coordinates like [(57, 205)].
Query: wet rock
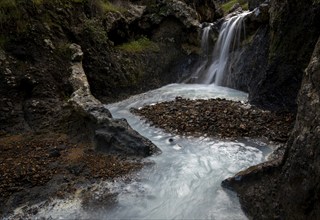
[(208, 10), (271, 64), (288, 188), (236, 7), (118, 137), (54, 153), (49, 43), (260, 14), (76, 169), (110, 135), (76, 52), (254, 4)]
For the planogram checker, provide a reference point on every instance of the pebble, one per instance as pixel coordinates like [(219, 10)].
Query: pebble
[(217, 118)]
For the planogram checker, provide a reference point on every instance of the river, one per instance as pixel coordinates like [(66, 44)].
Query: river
[(183, 182)]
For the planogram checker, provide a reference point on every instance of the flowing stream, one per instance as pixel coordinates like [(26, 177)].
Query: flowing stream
[(181, 183), (184, 181)]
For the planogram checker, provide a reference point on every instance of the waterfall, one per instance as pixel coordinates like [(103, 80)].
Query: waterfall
[(213, 69)]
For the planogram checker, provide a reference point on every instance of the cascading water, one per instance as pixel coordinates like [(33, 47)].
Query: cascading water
[(184, 182), (213, 70)]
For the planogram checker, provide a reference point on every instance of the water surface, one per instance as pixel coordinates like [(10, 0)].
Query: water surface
[(184, 181)]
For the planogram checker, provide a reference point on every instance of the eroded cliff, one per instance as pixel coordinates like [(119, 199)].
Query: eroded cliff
[(287, 187)]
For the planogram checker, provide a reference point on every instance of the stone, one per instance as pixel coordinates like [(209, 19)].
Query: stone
[(120, 138), (260, 14), (49, 43), (208, 10), (2, 55), (77, 54), (110, 135), (252, 4), (236, 7)]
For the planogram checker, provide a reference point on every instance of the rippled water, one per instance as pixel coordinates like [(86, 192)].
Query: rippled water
[(184, 182)]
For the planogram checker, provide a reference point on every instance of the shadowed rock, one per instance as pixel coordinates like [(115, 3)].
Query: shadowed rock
[(110, 135)]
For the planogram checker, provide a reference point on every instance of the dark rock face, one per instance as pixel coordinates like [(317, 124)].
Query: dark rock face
[(208, 10), (171, 25), (288, 188), (289, 52), (111, 136), (40, 93), (119, 137), (272, 67), (34, 61), (254, 3)]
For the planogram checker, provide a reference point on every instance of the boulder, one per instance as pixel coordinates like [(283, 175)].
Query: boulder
[(110, 135)]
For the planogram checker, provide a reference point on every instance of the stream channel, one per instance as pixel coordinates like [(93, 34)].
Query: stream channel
[(185, 181), (181, 183)]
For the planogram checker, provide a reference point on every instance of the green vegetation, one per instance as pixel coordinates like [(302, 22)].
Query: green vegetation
[(140, 45), (78, 1), (37, 2), (95, 30), (7, 4), (63, 50), (109, 7), (228, 5), (8, 10)]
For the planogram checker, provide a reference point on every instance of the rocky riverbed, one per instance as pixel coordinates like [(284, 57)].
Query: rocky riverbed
[(218, 118), (36, 167)]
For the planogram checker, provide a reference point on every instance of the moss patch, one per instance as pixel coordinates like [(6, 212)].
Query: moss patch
[(228, 5), (140, 45), (109, 7)]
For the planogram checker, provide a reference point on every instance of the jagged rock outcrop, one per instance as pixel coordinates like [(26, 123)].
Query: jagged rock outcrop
[(271, 67), (288, 188), (34, 59), (111, 135), (172, 27), (272, 70), (208, 10)]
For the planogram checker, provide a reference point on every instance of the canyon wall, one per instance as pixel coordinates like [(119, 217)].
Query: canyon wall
[(286, 72)]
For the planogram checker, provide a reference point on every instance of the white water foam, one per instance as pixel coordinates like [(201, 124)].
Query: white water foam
[(184, 182), (213, 70)]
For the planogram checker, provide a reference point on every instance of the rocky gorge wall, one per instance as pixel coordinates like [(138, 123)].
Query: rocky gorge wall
[(59, 61), (288, 187), (35, 86), (125, 45), (279, 46), (286, 65)]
